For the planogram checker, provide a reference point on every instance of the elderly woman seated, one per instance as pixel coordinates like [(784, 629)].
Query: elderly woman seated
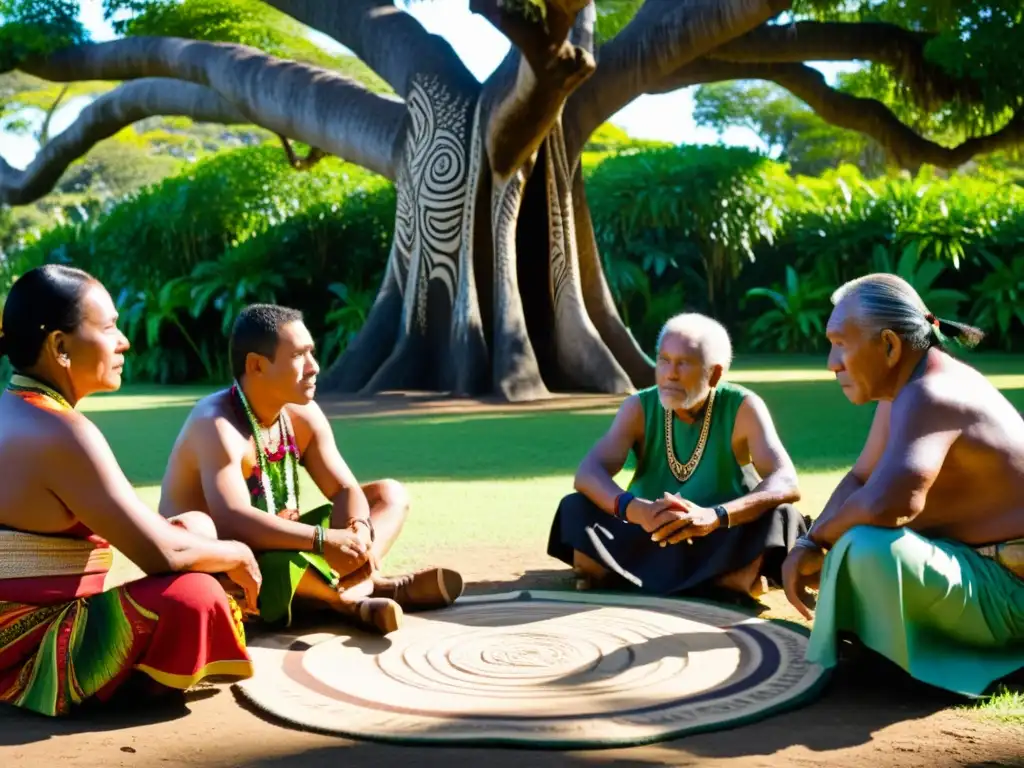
[(66, 636)]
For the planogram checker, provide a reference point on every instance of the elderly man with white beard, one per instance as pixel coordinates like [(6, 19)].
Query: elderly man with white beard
[(710, 505)]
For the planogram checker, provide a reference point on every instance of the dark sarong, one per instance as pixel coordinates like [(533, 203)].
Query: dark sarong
[(581, 525)]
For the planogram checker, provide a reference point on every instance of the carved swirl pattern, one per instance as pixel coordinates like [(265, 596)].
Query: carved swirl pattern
[(428, 225), (540, 667), (561, 225)]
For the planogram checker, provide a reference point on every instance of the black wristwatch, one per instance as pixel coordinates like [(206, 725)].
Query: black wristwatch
[(723, 516)]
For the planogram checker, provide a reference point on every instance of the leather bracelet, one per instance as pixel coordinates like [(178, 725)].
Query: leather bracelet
[(369, 525), (622, 502)]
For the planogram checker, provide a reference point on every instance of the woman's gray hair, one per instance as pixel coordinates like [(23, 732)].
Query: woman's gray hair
[(888, 302)]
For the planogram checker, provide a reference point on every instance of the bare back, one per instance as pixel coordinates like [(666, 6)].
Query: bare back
[(977, 497), (29, 438)]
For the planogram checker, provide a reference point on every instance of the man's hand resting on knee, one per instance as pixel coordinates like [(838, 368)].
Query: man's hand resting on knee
[(344, 550)]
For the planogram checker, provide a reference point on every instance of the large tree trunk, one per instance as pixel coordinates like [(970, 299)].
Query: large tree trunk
[(487, 289)]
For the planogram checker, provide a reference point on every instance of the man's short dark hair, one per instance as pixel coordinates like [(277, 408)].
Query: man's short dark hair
[(257, 329)]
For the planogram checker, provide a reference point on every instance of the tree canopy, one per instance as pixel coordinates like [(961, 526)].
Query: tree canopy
[(942, 81)]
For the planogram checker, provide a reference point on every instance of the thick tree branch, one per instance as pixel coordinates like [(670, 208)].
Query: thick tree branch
[(387, 39), (102, 119), (550, 67), (867, 116), (888, 44), (309, 104), (664, 36)]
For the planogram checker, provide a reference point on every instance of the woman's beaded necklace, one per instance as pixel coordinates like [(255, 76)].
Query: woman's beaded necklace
[(286, 450), (28, 388)]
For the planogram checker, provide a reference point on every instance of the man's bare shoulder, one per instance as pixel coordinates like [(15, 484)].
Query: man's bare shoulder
[(213, 417), (752, 405), (309, 415), (949, 395)]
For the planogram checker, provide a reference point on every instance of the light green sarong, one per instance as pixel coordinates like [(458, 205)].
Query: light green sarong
[(947, 615), (283, 570)]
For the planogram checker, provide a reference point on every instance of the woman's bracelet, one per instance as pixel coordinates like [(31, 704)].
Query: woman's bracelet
[(318, 540)]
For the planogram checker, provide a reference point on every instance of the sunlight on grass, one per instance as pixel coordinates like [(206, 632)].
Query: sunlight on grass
[(1005, 705), (139, 400), (494, 480)]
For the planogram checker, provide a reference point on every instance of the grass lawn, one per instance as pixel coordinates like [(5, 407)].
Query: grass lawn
[(492, 481), (495, 479)]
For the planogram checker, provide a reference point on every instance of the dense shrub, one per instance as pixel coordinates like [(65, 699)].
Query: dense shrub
[(183, 256), (795, 240)]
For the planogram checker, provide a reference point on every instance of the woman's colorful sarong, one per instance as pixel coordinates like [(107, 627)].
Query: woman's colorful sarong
[(178, 629), (945, 613), (66, 638)]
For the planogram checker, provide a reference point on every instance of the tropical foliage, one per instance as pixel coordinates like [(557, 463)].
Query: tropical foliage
[(720, 230)]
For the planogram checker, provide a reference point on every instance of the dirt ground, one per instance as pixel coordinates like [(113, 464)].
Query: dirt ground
[(870, 715)]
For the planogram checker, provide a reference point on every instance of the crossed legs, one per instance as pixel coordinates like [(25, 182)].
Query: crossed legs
[(747, 580), (374, 601)]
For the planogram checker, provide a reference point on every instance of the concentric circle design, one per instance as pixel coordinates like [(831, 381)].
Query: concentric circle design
[(555, 669)]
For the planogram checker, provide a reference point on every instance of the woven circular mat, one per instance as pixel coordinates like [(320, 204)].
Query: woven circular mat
[(542, 669)]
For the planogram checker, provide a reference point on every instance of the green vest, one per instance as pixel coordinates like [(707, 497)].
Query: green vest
[(718, 478)]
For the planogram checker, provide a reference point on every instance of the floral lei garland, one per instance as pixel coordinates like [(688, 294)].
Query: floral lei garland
[(287, 450)]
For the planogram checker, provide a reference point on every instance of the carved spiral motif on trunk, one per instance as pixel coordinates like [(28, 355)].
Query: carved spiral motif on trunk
[(561, 234), (430, 214), (405, 225)]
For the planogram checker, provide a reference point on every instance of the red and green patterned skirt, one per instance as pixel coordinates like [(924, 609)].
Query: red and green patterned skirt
[(56, 653)]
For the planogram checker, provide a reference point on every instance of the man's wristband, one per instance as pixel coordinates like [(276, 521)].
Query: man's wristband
[(369, 526), (723, 516), (622, 504)]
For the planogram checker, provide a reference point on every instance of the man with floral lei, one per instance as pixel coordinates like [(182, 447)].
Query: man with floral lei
[(238, 458)]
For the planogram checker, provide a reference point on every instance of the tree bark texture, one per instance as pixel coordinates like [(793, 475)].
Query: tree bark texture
[(484, 290)]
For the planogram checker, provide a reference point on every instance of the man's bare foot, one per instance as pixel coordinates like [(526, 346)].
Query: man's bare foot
[(746, 580)]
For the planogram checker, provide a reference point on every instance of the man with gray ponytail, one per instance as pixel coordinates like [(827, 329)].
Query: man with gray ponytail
[(919, 553)]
